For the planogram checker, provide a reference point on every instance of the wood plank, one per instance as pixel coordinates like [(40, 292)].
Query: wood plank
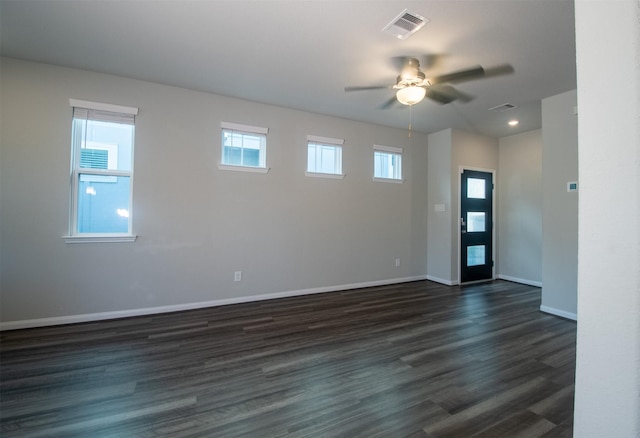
[(416, 359)]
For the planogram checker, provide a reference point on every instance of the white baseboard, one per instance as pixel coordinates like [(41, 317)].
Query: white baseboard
[(558, 312), (88, 317), (441, 280), (520, 280)]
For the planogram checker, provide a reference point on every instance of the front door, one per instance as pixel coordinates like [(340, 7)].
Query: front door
[(476, 226)]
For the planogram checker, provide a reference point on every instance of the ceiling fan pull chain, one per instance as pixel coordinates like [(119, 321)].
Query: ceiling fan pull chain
[(410, 120)]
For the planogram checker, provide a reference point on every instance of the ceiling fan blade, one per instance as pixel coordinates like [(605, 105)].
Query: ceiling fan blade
[(441, 98), (389, 103), (451, 92), (498, 70), (459, 76), (465, 97), (371, 87)]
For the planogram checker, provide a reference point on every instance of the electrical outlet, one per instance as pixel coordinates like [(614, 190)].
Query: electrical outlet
[(237, 276), (397, 263)]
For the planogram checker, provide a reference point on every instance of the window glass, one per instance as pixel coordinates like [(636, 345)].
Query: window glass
[(104, 145), (387, 165), (476, 188), (103, 206), (243, 148), (476, 221), (102, 157), (324, 158), (476, 255)]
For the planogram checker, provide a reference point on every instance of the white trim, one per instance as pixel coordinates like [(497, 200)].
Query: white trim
[(442, 280), (118, 238), (244, 128), (88, 317), (520, 280), (558, 312), (103, 172), (395, 150), (325, 140), (389, 180), (103, 106), (325, 175), (244, 168)]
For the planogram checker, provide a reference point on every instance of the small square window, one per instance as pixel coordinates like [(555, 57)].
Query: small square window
[(244, 146), (387, 163), (324, 158), (324, 155)]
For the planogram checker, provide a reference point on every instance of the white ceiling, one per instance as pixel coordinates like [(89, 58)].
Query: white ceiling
[(301, 54)]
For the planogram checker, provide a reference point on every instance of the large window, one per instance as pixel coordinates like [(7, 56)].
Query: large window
[(324, 156), (387, 163), (244, 146), (102, 142)]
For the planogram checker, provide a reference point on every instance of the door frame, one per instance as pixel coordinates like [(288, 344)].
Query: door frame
[(494, 254)]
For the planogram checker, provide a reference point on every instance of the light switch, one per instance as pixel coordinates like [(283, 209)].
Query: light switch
[(438, 207)]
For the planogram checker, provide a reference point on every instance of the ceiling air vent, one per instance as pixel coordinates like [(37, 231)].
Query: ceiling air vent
[(503, 107), (405, 24)]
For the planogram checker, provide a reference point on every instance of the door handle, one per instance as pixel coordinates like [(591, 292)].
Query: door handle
[(463, 226)]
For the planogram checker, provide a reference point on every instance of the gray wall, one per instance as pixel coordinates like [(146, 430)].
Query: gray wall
[(607, 397), (197, 224), (286, 232), (520, 208), (449, 150), (439, 236), (559, 207), (470, 151)]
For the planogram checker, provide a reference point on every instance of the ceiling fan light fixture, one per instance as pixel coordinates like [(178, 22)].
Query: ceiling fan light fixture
[(411, 95)]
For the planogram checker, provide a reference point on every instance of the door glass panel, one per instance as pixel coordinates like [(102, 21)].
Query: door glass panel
[(476, 221), (475, 255), (475, 188)]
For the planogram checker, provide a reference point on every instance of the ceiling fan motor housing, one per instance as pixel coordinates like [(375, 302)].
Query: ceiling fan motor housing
[(411, 70)]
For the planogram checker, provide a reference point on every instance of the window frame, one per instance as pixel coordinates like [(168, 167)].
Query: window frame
[(389, 150), (249, 130), (126, 114), (337, 144)]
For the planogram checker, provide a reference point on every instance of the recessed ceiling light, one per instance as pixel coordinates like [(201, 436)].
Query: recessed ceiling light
[(513, 122)]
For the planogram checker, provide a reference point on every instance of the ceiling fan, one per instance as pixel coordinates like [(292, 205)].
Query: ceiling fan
[(412, 85)]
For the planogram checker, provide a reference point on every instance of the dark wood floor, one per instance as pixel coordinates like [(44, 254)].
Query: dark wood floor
[(410, 360)]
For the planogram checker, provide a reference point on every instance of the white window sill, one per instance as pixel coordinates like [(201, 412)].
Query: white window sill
[(388, 180), (243, 168), (119, 238), (325, 175)]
